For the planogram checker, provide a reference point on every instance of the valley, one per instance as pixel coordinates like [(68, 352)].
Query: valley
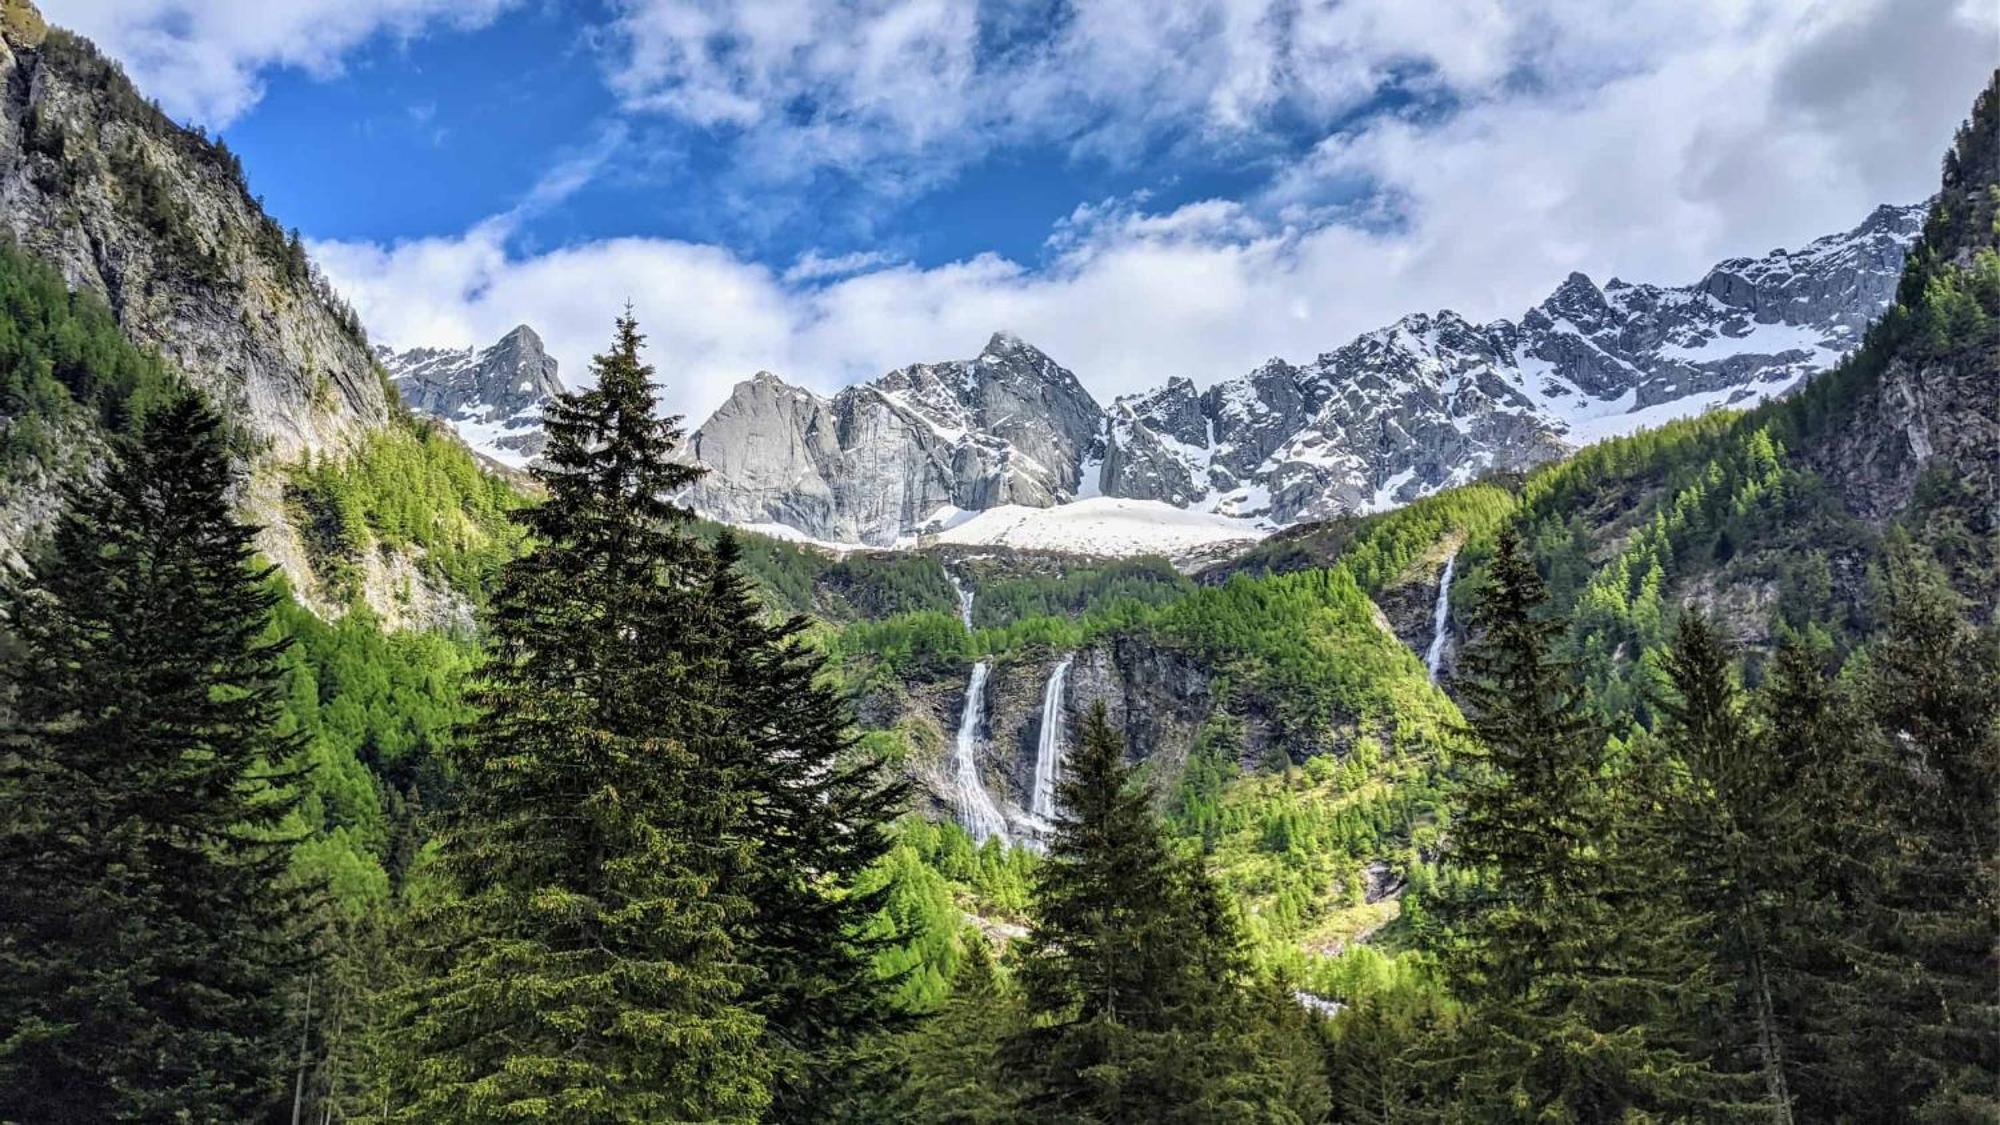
[(1587, 716)]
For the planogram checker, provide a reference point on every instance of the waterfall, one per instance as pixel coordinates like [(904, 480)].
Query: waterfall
[(964, 599), (1048, 752), (1441, 619), (975, 807)]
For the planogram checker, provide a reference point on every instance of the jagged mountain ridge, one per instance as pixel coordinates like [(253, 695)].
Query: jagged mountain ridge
[(1430, 401), (492, 396)]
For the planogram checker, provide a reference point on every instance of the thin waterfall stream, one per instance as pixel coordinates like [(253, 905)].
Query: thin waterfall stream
[(1441, 619), (974, 805), (1049, 747)]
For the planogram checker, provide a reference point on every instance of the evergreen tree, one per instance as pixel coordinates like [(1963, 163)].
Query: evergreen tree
[(1733, 834), (1136, 976), (586, 969), (956, 1074), (1930, 924), (1567, 961), (147, 947), (814, 820)]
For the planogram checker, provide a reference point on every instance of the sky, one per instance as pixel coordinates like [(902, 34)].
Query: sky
[(828, 189)]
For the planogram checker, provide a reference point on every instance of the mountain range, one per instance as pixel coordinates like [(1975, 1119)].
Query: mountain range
[(1431, 401)]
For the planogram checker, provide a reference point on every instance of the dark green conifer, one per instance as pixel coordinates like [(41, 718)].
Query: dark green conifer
[(1136, 977), (1929, 931), (814, 820), (1733, 835), (1568, 962), (148, 935), (586, 968)]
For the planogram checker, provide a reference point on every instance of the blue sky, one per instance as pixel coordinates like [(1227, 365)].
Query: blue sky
[(827, 188)]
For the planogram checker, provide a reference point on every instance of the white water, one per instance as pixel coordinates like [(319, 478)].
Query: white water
[(1318, 1005), (1048, 752), (970, 800), (964, 600), (1441, 619)]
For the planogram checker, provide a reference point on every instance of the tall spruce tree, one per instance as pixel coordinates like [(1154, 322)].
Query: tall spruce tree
[(147, 935), (1136, 977), (1733, 832), (814, 819), (587, 968), (1928, 934), (1567, 962)]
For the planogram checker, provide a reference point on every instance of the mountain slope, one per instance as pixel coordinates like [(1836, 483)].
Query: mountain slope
[(879, 460), (156, 220), (1434, 400)]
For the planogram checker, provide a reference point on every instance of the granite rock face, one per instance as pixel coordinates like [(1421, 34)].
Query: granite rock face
[(493, 396), (881, 459), (1426, 403), (156, 219), (1435, 400)]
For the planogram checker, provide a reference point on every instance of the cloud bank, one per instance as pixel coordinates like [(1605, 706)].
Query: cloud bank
[(1464, 154)]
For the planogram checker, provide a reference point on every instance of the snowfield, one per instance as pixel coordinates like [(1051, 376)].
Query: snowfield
[(1101, 525)]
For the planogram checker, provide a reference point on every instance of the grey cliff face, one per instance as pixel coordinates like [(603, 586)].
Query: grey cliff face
[(155, 219), (878, 460), (1426, 403), (492, 396)]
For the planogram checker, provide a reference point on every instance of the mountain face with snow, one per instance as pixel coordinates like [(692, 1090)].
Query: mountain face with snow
[(1434, 400), (492, 396), (882, 459), (1431, 401)]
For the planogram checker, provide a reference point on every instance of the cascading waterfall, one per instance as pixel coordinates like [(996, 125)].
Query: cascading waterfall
[(975, 807), (1048, 752), (1441, 619)]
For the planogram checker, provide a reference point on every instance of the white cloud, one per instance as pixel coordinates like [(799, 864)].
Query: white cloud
[(204, 59), (1646, 142)]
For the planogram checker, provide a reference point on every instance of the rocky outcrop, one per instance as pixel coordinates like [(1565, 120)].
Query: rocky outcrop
[(881, 459), (493, 397), (156, 220)]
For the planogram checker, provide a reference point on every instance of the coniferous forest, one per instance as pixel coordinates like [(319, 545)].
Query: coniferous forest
[(644, 837)]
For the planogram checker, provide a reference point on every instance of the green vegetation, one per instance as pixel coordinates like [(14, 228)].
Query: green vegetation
[(655, 900), (64, 366), (409, 487)]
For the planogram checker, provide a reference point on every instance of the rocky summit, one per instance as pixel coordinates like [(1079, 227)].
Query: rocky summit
[(492, 396), (884, 458)]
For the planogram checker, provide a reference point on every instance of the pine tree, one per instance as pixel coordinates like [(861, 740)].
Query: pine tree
[(1733, 831), (147, 941), (1927, 926), (586, 969), (1136, 975), (814, 821), (1565, 958)]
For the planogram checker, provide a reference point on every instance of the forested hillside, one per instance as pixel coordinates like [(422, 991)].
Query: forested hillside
[(1658, 784)]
